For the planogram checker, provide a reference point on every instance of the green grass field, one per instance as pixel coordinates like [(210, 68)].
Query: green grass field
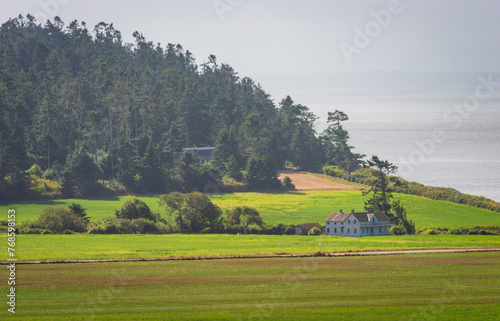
[(454, 286), (89, 246), (292, 208)]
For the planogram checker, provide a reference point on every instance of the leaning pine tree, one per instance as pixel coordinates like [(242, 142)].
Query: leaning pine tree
[(381, 188)]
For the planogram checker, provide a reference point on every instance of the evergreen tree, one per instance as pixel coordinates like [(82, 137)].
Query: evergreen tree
[(381, 188), (81, 175)]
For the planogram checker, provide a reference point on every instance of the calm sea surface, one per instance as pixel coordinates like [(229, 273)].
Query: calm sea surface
[(425, 130)]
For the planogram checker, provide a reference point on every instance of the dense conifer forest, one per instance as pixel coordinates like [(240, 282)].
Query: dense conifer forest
[(83, 113)]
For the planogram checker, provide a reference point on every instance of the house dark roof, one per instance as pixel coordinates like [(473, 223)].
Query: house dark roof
[(337, 217), (362, 217)]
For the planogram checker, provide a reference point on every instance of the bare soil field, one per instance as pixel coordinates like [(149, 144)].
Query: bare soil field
[(316, 182)]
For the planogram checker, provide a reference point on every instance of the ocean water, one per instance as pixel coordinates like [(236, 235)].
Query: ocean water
[(439, 131)]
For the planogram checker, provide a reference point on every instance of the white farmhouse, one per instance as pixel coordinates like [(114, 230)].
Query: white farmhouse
[(357, 224)]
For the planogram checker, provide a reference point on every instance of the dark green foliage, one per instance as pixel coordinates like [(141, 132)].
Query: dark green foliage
[(397, 230), (135, 209), (314, 231), (65, 88), (150, 169), (80, 211), (59, 219), (80, 175), (193, 212), (113, 225), (189, 168), (337, 150), (287, 184), (399, 214), (381, 188), (289, 230), (261, 173), (226, 153), (297, 138), (244, 216)]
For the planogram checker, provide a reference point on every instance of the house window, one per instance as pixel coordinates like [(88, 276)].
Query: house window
[(348, 221), (335, 230), (342, 230), (335, 223), (328, 223), (354, 221), (328, 230), (354, 231), (348, 230), (380, 230)]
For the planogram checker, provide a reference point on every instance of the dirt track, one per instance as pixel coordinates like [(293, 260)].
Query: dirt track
[(257, 256), (309, 182)]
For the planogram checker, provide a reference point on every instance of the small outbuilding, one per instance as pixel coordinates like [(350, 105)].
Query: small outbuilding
[(357, 224), (204, 153)]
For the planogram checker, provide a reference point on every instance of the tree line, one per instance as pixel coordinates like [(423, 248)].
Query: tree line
[(83, 113), (190, 213)]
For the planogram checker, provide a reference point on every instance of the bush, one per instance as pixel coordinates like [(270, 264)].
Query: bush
[(79, 210), (290, 230), (116, 186), (36, 171), (106, 226), (287, 185), (230, 185), (112, 225), (135, 209), (314, 231), (58, 219), (31, 230), (459, 231), (397, 230), (44, 188)]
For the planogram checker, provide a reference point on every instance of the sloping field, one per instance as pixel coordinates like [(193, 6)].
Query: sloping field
[(291, 208), (317, 182)]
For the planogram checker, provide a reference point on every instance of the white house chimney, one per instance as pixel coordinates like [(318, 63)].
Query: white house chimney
[(352, 211)]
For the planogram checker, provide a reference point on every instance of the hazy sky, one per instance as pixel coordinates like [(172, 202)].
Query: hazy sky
[(259, 37)]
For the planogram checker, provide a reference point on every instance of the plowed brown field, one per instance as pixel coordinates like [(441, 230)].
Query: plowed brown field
[(309, 182)]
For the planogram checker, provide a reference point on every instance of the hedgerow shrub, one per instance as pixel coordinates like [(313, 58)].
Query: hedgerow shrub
[(136, 209), (54, 220), (314, 231)]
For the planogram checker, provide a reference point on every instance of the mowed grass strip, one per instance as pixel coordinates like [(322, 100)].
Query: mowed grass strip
[(451, 286), (88, 246), (290, 208)]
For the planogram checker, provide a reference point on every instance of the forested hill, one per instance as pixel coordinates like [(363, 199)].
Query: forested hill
[(79, 98)]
